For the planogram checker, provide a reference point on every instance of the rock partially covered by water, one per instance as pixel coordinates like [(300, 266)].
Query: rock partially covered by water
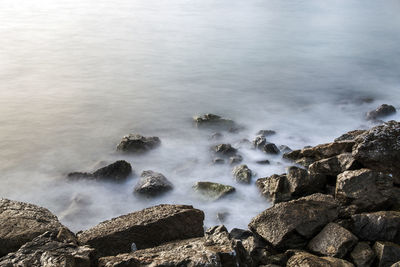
[(51, 249), (242, 174), (215, 249), (270, 148), (266, 132), (21, 222), (380, 112), (146, 228), (259, 141), (213, 191), (214, 122), (152, 184), (291, 224), (136, 143), (117, 171), (225, 150)]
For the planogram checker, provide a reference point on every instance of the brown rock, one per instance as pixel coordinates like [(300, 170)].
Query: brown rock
[(387, 253), (362, 255), (304, 259)]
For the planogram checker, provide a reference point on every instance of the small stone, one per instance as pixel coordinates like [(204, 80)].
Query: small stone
[(218, 161), (266, 132), (213, 191), (381, 112), (235, 159), (259, 141), (152, 184), (263, 162), (136, 143), (225, 150), (242, 174)]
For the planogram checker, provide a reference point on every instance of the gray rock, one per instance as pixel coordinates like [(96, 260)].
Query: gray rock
[(152, 184), (146, 228), (305, 259), (291, 224), (50, 249), (213, 122), (235, 159), (349, 135), (266, 132), (259, 141), (285, 149), (377, 226), (387, 253), (362, 255), (242, 174), (21, 222), (381, 112), (334, 165), (213, 191), (136, 143), (270, 148), (333, 240), (214, 249), (263, 162), (218, 161), (117, 171), (225, 150), (216, 136)]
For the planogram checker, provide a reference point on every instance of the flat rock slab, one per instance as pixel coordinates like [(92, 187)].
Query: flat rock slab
[(21, 222), (146, 228), (333, 240), (291, 224)]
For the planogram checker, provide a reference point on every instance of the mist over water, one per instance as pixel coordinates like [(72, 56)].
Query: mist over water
[(76, 76)]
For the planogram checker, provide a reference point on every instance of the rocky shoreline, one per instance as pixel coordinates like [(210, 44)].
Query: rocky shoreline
[(338, 205)]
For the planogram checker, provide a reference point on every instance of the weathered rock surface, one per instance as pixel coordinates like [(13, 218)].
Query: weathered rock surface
[(50, 249), (214, 122), (377, 226), (362, 255), (334, 165), (225, 150), (266, 132), (350, 135), (242, 174), (291, 224), (364, 189), (213, 191), (235, 159), (21, 222), (136, 143), (259, 141), (117, 171), (387, 253), (305, 259), (333, 240), (270, 148), (152, 184), (381, 112), (215, 249), (146, 228)]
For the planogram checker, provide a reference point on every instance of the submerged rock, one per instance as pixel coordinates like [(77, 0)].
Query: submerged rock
[(225, 150), (136, 143), (117, 171), (266, 132), (259, 141), (21, 222), (152, 184), (242, 174), (213, 191), (380, 112), (235, 159), (146, 228), (270, 148), (214, 122)]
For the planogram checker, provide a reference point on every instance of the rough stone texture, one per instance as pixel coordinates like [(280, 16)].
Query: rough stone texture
[(377, 226), (259, 141), (381, 112), (397, 264), (213, 191), (291, 224), (136, 143), (364, 189), (242, 174), (387, 253), (21, 222), (152, 184), (333, 240), (213, 121), (235, 159), (225, 150), (266, 132), (334, 165), (270, 148), (117, 171), (50, 249), (350, 135), (146, 228), (215, 249), (379, 148), (362, 255), (274, 188), (304, 259)]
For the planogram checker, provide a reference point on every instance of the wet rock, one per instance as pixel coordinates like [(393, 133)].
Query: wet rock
[(117, 171), (362, 255), (235, 159), (222, 216), (216, 136), (214, 249), (78, 208), (270, 148), (49, 250), (291, 224), (259, 141), (213, 191), (350, 135), (146, 228), (387, 253), (225, 150), (285, 149), (266, 132), (333, 240), (218, 161), (242, 174), (152, 184), (305, 259), (21, 222), (136, 143), (214, 122), (364, 189), (263, 162), (379, 148), (381, 225), (80, 175), (381, 112)]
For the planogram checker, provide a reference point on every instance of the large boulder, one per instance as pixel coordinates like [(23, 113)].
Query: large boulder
[(387, 253), (379, 148), (51, 249), (21, 222), (117, 171), (333, 240), (152, 184), (364, 190), (362, 255), (377, 226), (242, 174), (213, 191), (291, 224), (380, 112), (215, 249), (350, 135), (334, 165), (136, 143), (146, 228), (305, 259), (213, 121)]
